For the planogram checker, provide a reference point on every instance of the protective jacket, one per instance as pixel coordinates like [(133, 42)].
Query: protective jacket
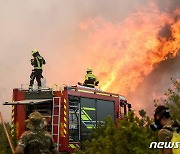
[(91, 80), (36, 140), (169, 133), (37, 62)]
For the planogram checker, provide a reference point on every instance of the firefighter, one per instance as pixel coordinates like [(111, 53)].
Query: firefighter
[(37, 62), (36, 139), (90, 79), (167, 128)]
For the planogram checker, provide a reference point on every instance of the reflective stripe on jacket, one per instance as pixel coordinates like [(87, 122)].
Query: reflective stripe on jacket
[(38, 62), (176, 140), (90, 79)]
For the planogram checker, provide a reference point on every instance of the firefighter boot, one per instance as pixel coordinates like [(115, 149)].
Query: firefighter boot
[(39, 89), (30, 88)]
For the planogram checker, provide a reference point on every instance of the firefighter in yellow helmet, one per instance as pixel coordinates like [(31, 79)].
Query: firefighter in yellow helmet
[(37, 63), (90, 79)]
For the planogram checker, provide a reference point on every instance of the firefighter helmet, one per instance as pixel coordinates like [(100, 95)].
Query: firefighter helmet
[(89, 70), (160, 112), (34, 51)]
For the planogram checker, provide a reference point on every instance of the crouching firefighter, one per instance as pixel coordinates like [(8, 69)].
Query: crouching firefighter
[(90, 79), (37, 63)]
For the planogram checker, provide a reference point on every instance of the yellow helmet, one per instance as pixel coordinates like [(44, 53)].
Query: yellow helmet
[(34, 51), (89, 70)]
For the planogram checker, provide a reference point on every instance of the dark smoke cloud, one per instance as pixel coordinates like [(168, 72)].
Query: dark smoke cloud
[(168, 5), (155, 84), (165, 32), (158, 81)]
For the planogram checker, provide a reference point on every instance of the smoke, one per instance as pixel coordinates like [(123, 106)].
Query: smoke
[(168, 5), (158, 81), (155, 85), (55, 29)]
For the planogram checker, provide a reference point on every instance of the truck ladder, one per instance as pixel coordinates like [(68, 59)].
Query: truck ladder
[(56, 120), (74, 107)]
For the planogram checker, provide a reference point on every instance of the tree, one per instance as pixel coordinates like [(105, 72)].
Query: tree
[(131, 136), (4, 145)]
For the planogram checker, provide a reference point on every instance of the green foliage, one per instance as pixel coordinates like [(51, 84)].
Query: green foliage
[(131, 136), (14, 138), (172, 99), (4, 145)]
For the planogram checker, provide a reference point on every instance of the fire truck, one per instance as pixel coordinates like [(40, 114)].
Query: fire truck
[(70, 113)]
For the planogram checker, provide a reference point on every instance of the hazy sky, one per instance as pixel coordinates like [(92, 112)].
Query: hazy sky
[(53, 27)]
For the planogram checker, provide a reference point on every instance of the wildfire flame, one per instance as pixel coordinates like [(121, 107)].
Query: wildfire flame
[(127, 51)]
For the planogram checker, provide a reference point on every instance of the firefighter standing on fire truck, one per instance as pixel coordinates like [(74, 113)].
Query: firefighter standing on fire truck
[(37, 62), (90, 79)]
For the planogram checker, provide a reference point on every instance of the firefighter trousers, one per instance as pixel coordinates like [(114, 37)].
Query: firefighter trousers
[(37, 73)]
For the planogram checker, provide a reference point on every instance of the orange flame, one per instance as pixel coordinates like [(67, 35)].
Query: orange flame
[(125, 52)]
